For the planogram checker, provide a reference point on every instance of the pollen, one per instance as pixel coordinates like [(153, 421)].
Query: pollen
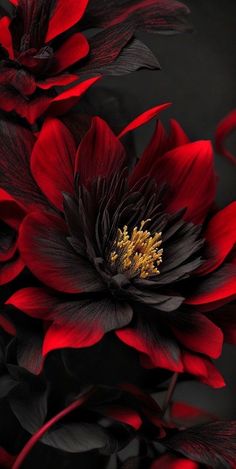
[(137, 254)]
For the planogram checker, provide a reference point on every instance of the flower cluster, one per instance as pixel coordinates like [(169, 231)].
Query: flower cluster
[(117, 272)]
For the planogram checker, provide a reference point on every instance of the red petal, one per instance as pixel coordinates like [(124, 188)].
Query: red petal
[(219, 286), (61, 80), (64, 16), (220, 236), (160, 144), (31, 109), (204, 369), (226, 319), (10, 270), (67, 335), (149, 406), (158, 354), (19, 80), (64, 101), (144, 118), (50, 257), (124, 415), (35, 302), (71, 51), (7, 254), (188, 172), (52, 161), (177, 135), (186, 415), (5, 36), (100, 152), (157, 146), (8, 327), (171, 462), (224, 129), (196, 332), (11, 212)]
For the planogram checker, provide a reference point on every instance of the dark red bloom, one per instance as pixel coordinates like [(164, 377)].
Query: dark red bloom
[(11, 216), (139, 252), (41, 53)]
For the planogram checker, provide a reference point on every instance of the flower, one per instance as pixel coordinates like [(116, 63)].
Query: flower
[(41, 53), (141, 252)]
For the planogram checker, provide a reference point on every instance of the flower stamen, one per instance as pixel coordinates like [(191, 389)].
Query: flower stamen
[(136, 254)]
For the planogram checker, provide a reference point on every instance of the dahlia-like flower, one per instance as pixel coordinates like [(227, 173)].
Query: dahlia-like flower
[(42, 50), (140, 252)]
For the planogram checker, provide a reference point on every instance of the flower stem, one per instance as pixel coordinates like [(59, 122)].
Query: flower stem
[(170, 392), (38, 435)]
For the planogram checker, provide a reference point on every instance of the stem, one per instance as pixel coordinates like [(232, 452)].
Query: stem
[(38, 435), (170, 392)]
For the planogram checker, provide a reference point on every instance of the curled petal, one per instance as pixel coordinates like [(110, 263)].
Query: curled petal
[(224, 129), (188, 172), (162, 350), (53, 160), (64, 16), (220, 236), (217, 289), (5, 36), (100, 152), (75, 48)]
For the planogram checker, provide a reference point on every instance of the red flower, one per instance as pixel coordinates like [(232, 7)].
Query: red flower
[(37, 62), (139, 253), (11, 216)]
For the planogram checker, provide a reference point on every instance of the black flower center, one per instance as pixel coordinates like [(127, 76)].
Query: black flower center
[(137, 254)]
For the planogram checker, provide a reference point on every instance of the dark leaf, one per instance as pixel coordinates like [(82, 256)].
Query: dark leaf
[(213, 444)]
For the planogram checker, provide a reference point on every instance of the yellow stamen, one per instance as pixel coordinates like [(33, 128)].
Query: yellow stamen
[(137, 254)]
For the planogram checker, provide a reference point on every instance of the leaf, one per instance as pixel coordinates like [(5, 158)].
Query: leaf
[(77, 437), (212, 444)]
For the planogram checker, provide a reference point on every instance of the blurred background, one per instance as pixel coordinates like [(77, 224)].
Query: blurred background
[(198, 75)]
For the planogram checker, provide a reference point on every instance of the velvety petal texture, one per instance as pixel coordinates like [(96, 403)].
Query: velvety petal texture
[(53, 161), (55, 263), (88, 222)]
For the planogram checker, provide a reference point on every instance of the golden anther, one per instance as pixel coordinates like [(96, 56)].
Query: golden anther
[(136, 254)]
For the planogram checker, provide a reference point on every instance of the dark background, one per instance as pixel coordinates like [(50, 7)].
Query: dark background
[(198, 76)]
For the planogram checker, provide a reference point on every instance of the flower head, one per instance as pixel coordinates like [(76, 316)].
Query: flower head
[(139, 252), (42, 50)]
